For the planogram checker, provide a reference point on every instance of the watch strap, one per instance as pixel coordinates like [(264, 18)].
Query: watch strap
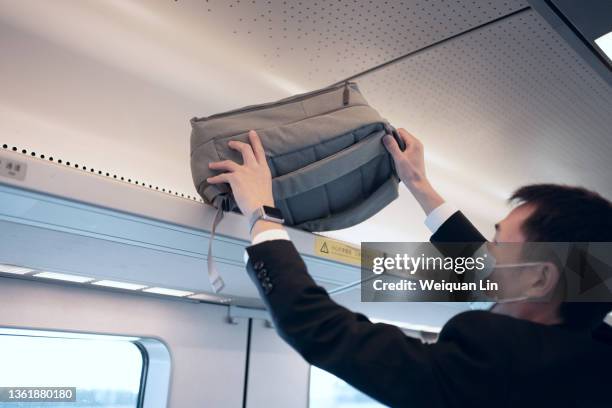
[(259, 214)]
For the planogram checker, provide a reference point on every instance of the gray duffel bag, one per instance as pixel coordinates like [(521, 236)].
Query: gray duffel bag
[(330, 169)]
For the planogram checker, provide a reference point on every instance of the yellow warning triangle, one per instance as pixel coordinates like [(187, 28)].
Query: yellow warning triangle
[(324, 248)]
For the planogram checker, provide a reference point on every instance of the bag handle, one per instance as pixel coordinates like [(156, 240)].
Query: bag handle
[(383, 195), (330, 168)]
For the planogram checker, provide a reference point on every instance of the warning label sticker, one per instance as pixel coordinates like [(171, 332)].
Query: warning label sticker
[(337, 250)]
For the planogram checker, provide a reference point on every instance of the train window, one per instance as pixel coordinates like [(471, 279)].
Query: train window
[(328, 391), (104, 372)]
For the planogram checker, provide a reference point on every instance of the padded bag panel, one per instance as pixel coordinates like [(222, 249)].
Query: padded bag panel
[(284, 126), (333, 181), (330, 169)]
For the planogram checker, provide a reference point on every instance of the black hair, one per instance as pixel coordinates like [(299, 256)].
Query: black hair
[(568, 214)]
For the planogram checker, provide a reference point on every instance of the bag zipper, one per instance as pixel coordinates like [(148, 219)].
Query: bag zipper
[(345, 102), (346, 94)]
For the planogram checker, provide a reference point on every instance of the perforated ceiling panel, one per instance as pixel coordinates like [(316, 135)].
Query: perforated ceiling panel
[(319, 42), (111, 85), (507, 105)]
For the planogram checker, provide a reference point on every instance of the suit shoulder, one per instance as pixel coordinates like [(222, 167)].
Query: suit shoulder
[(481, 325), (479, 317)]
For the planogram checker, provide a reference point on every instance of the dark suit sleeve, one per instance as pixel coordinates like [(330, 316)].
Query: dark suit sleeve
[(457, 237), (457, 229), (376, 358)]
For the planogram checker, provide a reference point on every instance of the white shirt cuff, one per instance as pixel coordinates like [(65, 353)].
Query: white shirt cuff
[(437, 217), (269, 235)]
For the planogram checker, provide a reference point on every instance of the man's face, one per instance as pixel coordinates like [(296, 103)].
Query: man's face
[(507, 250), (510, 228), (512, 280), (509, 235)]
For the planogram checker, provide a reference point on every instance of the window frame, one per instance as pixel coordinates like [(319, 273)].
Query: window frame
[(156, 360)]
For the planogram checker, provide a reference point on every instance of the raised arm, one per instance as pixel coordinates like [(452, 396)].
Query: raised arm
[(376, 358), (447, 225), (410, 166)]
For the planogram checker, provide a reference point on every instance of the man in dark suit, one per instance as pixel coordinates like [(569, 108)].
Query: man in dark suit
[(519, 354)]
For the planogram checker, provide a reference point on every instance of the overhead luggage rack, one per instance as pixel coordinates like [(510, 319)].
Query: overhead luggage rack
[(67, 219)]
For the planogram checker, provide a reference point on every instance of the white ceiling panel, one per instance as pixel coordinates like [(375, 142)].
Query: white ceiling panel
[(112, 84)]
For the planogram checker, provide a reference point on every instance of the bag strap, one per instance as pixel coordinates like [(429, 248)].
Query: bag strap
[(216, 282), (383, 195), (330, 168)]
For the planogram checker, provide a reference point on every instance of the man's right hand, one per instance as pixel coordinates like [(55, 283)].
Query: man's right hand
[(410, 166)]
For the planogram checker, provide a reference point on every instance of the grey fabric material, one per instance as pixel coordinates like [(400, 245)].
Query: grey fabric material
[(216, 282), (330, 169), (325, 168), (353, 215)]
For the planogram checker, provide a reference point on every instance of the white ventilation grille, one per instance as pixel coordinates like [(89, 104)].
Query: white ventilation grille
[(98, 172)]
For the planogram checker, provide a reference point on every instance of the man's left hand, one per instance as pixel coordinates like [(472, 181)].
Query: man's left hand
[(251, 182)]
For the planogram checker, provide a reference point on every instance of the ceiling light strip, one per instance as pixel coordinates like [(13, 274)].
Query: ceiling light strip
[(19, 270), (14, 269), (168, 292), (119, 285), (63, 277)]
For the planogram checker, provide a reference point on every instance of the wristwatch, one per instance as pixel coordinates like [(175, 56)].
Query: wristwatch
[(266, 213)]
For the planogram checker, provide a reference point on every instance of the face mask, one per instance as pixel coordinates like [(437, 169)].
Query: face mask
[(515, 266), (491, 265)]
